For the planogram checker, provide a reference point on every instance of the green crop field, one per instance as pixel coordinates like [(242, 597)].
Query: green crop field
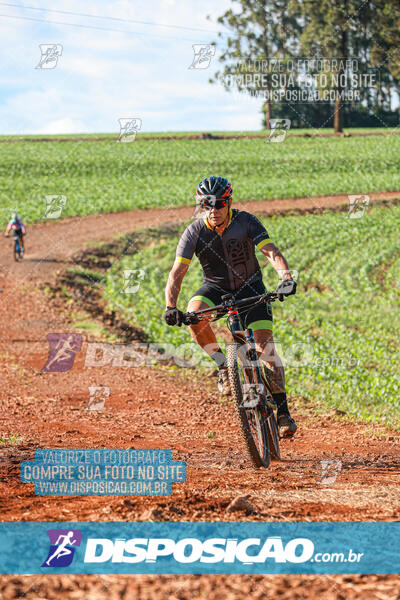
[(108, 176), (311, 131), (338, 335)]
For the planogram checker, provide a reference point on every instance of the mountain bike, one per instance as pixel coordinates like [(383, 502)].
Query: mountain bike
[(17, 251), (249, 382)]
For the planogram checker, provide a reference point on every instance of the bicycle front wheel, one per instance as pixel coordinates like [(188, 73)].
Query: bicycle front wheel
[(17, 251), (253, 425)]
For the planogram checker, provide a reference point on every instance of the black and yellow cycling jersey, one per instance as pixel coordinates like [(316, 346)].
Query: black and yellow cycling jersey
[(229, 263), (228, 260)]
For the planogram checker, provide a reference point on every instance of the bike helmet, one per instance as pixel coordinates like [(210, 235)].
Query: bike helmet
[(219, 187)]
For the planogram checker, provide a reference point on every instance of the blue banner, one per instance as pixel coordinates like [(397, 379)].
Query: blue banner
[(199, 548)]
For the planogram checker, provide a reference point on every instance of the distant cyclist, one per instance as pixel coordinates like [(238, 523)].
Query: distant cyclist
[(224, 241), (18, 228)]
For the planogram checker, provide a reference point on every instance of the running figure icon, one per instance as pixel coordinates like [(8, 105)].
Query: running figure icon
[(62, 350), (62, 549)]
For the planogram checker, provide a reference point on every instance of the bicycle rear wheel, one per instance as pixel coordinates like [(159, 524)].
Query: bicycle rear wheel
[(253, 425)]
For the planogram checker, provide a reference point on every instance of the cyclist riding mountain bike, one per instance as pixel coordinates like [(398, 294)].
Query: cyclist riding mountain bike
[(224, 241), (18, 228)]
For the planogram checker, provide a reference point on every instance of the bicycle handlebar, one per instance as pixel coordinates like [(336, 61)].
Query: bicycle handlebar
[(229, 303)]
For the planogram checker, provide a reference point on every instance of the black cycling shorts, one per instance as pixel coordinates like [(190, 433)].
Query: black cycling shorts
[(258, 317)]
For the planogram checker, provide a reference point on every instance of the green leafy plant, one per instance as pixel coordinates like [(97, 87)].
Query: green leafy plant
[(13, 438), (346, 309), (102, 177)]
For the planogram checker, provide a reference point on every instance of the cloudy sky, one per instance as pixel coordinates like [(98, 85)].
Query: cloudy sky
[(111, 69)]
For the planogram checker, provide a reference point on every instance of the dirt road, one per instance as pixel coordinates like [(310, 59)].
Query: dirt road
[(53, 243), (157, 408)]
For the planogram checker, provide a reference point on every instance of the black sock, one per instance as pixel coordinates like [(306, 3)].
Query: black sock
[(281, 403), (219, 358)]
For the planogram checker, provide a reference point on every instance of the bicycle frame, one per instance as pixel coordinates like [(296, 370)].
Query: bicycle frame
[(254, 405), (240, 334), (246, 335), (18, 245)]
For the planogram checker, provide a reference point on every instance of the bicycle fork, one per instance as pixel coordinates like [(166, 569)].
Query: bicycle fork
[(256, 395)]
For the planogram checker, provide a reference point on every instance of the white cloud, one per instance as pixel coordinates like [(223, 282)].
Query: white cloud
[(66, 125), (102, 76)]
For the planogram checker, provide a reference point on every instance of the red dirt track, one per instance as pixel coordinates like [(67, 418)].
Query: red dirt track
[(154, 407)]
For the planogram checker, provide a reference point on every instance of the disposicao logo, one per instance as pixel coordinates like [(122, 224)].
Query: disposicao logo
[(62, 349), (190, 550), (61, 552)]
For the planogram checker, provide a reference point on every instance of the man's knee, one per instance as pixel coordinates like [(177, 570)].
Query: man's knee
[(266, 348), (196, 305), (192, 307), (264, 340)]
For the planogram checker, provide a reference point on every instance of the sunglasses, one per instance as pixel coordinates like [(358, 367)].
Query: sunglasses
[(210, 204)]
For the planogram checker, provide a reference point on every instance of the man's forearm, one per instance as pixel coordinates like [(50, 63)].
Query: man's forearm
[(172, 291), (281, 267), (279, 262), (174, 283)]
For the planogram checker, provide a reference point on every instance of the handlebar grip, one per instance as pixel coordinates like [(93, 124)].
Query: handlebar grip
[(190, 319)]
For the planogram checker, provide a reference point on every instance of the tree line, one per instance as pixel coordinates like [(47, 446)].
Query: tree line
[(318, 63)]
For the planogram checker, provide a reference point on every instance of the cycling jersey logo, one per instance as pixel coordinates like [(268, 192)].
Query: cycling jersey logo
[(238, 254), (61, 551), (63, 347)]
